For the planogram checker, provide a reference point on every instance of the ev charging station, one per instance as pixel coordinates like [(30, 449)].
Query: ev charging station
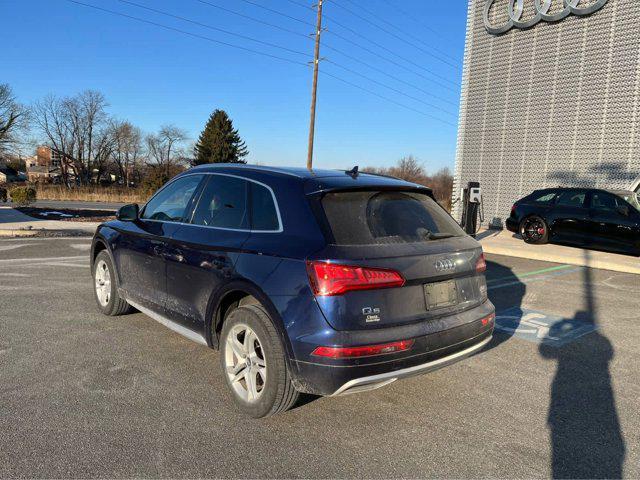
[(471, 202)]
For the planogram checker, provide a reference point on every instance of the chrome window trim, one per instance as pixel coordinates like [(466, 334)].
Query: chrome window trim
[(273, 197)]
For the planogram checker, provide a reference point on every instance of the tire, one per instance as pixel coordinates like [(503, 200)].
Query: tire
[(274, 391), (534, 230), (105, 287)]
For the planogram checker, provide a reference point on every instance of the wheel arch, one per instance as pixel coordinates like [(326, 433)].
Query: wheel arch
[(101, 243), (237, 293)]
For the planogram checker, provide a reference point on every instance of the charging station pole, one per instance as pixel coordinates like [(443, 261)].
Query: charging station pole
[(471, 199)]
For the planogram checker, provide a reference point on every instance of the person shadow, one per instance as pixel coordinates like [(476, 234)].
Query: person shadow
[(586, 437)]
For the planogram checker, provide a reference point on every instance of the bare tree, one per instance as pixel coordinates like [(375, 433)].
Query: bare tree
[(13, 119), (77, 127), (127, 149), (412, 170), (165, 148)]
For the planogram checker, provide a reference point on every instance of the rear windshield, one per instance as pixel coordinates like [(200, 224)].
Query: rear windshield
[(387, 217)]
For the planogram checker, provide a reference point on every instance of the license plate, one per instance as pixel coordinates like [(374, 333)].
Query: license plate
[(441, 294)]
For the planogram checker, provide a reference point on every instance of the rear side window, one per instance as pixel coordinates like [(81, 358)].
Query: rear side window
[(386, 217), (572, 198), (544, 197), (223, 204), (264, 215)]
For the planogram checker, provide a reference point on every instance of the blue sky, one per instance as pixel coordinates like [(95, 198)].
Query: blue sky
[(153, 76)]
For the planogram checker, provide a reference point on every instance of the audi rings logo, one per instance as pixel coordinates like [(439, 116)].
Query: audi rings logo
[(515, 10), (445, 265)]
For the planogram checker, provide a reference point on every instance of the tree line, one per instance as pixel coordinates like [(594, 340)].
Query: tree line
[(94, 145)]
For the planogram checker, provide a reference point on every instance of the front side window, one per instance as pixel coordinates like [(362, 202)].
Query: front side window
[(223, 204), (572, 198), (545, 197), (170, 203), (387, 217)]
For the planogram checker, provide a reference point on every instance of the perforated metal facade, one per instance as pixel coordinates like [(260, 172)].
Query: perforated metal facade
[(556, 104)]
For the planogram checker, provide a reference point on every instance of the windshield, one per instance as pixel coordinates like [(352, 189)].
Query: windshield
[(387, 217)]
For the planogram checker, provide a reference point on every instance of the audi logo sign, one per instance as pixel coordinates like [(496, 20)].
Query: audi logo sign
[(445, 265), (515, 9)]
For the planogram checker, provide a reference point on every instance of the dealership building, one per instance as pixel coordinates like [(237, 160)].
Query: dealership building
[(550, 97)]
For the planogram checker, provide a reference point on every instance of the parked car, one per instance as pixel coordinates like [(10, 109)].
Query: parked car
[(593, 218), (323, 282)]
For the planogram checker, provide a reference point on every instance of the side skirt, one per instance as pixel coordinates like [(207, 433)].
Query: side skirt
[(170, 324)]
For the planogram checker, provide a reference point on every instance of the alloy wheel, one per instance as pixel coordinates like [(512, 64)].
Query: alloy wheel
[(533, 229), (245, 363), (103, 283)]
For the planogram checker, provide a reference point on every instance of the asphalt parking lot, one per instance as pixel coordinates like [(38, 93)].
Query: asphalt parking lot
[(83, 395)]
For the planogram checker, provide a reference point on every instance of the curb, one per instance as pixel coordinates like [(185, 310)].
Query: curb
[(546, 256), (44, 233), (18, 233)]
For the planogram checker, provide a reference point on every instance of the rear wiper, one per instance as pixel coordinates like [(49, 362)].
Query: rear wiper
[(429, 235), (438, 236)]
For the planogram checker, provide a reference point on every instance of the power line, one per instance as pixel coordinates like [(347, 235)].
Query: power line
[(300, 4), (257, 52), (161, 12), (387, 74), (354, 32), (245, 37), (337, 35), (388, 32), (347, 69), (184, 32), (397, 64), (394, 6), (324, 72), (276, 12), (257, 20), (414, 37)]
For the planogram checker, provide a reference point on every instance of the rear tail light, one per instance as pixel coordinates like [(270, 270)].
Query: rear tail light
[(513, 210), (367, 351), (488, 319), (481, 264), (328, 279)]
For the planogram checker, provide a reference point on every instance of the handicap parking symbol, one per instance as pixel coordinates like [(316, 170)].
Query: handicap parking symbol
[(539, 327)]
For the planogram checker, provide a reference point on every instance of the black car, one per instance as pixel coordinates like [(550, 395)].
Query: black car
[(593, 218), (323, 282)]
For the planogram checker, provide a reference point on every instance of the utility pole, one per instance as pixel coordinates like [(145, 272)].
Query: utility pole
[(316, 61)]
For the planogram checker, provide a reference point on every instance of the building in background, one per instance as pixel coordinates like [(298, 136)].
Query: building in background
[(548, 103), (44, 166)]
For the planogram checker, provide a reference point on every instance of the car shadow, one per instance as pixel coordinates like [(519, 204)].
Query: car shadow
[(487, 234), (506, 291), (584, 428)]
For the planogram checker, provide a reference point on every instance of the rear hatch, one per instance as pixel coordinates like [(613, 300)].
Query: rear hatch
[(395, 257)]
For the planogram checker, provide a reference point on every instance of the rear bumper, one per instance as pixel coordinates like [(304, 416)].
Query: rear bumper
[(376, 381), (430, 352), (512, 225)]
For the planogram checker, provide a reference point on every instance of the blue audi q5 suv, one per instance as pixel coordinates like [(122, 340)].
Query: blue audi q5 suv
[(315, 281)]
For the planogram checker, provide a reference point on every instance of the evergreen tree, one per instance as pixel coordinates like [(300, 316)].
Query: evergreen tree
[(219, 142)]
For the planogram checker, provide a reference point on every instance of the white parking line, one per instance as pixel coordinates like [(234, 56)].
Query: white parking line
[(42, 259), (4, 248)]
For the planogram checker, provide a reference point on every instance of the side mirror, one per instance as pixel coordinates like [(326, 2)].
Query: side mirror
[(623, 210), (128, 213)]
